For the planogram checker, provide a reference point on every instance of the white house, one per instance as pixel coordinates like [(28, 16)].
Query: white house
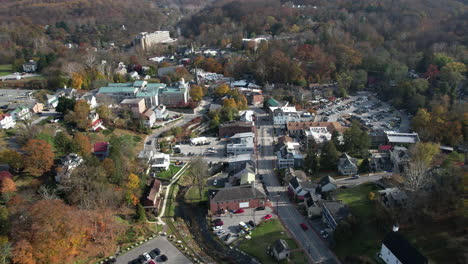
[(52, 100), (397, 250), (289, 156), (20, 113), (91, 100), (96, 123), (149, 116), (286, 114), (327, 184), (160, 161), (134, 75), (68, 164), (160, 112), (6, 121)]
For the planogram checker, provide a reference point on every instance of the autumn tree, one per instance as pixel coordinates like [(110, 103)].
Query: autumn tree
[(38, 157), (79, 115), (196, 92), (23, 253), (133, 182), (76, 80), (7, 186), (424, 152), (222, 89), (82, 143), (108, 166), (230, 102)]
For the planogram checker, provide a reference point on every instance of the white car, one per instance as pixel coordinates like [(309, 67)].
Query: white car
[(216, 228), (220, 232), (147, 256)]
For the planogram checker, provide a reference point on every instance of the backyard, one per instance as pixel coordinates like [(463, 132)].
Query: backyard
[(5, 69), (263, 236), (368, 240), (167, 175)]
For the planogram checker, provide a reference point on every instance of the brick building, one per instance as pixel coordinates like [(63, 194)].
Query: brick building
[(233, 198), (230, 129)]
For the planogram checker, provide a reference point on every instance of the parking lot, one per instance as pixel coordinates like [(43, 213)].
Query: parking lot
[(231, 221), (369, 110), (174, 256), (213, 151)]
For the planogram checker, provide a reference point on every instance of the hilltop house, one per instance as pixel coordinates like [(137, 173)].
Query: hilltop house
[(20, 113), (68, 164), (280, 250), (30, 66), (160, 161), (96, 124), (154, 195), (101, 150)]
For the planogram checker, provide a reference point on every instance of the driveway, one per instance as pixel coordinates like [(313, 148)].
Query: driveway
[(314, 246), (173, 254)]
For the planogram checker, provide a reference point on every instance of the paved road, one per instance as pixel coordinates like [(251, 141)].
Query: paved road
[(314, 246), (173, 254)]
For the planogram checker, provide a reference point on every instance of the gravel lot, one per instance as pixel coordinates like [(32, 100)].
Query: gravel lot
[(218, 146)]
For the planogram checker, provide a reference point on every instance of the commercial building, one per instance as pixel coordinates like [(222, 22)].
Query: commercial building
[(233, 198), (241, 143), (230, 129), (286, 114), (289, 156), (146, 40), (396, 138)]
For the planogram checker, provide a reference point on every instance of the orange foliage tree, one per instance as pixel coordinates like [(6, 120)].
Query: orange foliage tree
[(23, 253), (7, 185), (38, 157), (82, 142), (57, 233)]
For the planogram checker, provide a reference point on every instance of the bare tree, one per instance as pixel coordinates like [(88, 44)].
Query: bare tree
[(89, 59), (47, 193), (198, 171), (5, 253), (417, 176)]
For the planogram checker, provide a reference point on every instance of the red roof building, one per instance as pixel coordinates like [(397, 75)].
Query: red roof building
[(101, 150)]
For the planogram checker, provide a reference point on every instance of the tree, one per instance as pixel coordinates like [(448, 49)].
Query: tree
[(38, 157), (329, 156), (197, 172), (140, 212), (222, 90), (356, 141), (108, 166), (76, 80), (12, 158), (63, 144), (453, 73), (424, 152), (80, 113), (196, 92), (65, 104), (365, 166), (7, 186), (23, 253), (312, 162), (5, 252), (230, 103), (416, 176), (82, 144), (344, 83), (421, 123), (133, 182)]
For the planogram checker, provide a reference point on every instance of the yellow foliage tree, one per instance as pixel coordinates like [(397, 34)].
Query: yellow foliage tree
[(196, 92), (77, 80), (230, 103), (222, 90), (133, 182)]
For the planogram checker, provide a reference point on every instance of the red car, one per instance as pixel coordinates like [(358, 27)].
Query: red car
[(268, 216), (304, 226), (152, 262), (239, 211)]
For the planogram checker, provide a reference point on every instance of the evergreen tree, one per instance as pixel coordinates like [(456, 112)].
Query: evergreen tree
[(140, 213), (365, 166), (329, 156)]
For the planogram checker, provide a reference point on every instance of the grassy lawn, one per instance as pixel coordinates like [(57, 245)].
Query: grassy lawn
[(368, 240), (5, 69), (263, 236), (167, 175)]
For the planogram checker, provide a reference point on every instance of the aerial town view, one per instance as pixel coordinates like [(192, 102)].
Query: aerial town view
[(233, 131)]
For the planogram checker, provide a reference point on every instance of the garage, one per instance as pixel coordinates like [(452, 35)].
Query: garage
[(244, 205)]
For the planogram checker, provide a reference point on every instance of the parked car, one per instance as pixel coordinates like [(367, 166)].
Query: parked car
[(356, 176), (146, 256), (260, 208), (163, 258), (218, 222), (152, 262), (220, 232), (268, 216), (226, 237), (152, 254), (215, 182), (156, 251), (304, 226), (252, 224), (243, 226), (239, 211), (216, 228)]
